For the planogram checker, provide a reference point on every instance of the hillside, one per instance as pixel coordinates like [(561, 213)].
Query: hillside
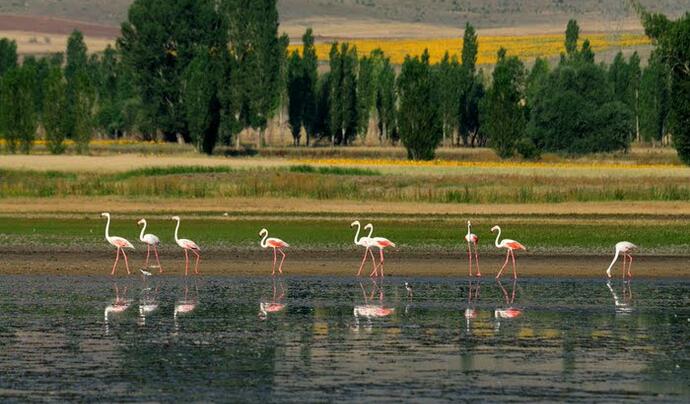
[(385, 18)]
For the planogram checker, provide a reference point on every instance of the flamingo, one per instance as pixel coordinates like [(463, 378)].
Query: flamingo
[(274, 306), (622, 306), (624, 247), (276, 244), (510, 311), (118, 242), (187, 245), (472, 238), (364, 241), (471, 312), (120, 305), (381, 243), (509, 245), (151, 240), (370, 310)]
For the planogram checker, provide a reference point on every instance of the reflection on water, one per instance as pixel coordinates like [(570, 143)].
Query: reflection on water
[(328, 339)]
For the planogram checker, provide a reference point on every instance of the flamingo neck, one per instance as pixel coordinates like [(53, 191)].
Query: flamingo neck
[(615, 257), (263, 240), (498, 236), (357, 234), (107, 226), (469, 229), (371, 231), (176, 229), (141, 236)]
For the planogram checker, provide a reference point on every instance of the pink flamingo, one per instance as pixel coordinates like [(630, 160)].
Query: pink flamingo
[(381, 243), (118, 242), (509, 245), (151, 240), (274, 306), (276, 244), (364, 241), (626, 248), (472, 238), (471, 312), (187, 245)]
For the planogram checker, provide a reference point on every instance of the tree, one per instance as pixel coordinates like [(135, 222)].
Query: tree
[(343, 93), (449, 93), (385, 98), (8, 55), (201, 100), (672, 39), (296, 95), (419, 118), (654, 99), (366, 93), (18, 113), (55, 100), (572, 33), (80, 93), (470, 48), (159, 40), (258, 55), (309, 67), (502, 109)]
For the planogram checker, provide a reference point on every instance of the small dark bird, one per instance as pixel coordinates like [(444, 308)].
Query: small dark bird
[(409, 289)]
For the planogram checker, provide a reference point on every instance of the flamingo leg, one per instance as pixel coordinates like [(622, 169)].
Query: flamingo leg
[(630, 266), (624, 260), (375, 271), (512, 254), (381, 263), (469, 257), (196, 265), (274, 261), (504, 265), (186, 262), (476, 260), (280, 267), (126, 263), (160, 268), (373, 260), (148, 252), (364, 259), (117, 258)]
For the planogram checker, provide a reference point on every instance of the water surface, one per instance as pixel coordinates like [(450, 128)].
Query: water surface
[(336, 338)]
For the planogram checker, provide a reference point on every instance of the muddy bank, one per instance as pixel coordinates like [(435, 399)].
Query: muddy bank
[(342, 263)]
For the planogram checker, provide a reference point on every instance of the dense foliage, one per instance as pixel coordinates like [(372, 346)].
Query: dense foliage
[(204, 71)]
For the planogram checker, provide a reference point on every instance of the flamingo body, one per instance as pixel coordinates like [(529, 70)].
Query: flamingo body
[(277, 245), (118, 242), (151, 241), (187, 245), (510, 246), (625, 248)]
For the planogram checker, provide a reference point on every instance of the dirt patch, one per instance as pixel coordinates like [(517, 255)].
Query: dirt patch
[(51, 25), (249, 263)]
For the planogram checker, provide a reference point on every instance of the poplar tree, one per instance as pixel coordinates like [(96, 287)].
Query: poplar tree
[(8, 55), (310, 72), (18, 113), (54, 106), (419, 118), (654, 99)]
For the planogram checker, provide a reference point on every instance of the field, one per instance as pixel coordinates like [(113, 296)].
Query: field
[(526, 47), (574, 207)]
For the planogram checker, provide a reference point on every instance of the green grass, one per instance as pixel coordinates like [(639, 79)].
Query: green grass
[(540, 235), (307, 169)]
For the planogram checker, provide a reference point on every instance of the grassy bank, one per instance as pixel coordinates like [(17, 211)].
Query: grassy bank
[(541, 235), (371, 180)]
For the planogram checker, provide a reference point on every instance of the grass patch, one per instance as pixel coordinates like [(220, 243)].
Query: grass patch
[(304, 168), (172, 170)]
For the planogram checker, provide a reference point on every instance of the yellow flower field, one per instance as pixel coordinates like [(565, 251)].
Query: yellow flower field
[(525, 47)]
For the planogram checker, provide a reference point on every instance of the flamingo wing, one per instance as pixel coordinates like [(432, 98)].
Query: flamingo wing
[(151, 239), (472, 238), (513, 245), (189, 244), (383, 242), (276, 243), (120, 242)]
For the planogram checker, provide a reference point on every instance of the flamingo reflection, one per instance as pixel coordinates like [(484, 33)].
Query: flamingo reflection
[(624, 305), (274, 306), (118, 306), (187, 304), (370, 310), (509, 311), (148, 303), (471, 311)]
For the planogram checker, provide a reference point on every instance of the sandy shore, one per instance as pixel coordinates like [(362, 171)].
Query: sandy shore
[(337, 263)]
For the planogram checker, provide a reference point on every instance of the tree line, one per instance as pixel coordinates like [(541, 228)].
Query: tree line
[(201, 71)]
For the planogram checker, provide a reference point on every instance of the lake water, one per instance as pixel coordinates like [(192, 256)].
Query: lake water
[(336, 339)]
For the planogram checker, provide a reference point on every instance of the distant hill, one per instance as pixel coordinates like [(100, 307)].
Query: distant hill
[(380, 18)]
